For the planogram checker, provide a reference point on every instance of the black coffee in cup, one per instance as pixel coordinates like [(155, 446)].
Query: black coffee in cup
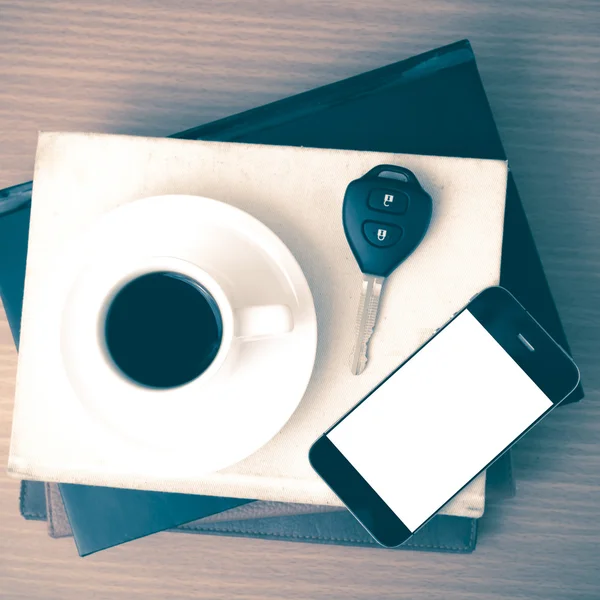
[(162, 330)]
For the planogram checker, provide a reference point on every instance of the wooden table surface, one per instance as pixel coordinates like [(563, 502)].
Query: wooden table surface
[(154, 68)]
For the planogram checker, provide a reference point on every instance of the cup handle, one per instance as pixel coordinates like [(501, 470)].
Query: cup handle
[(257, 322)]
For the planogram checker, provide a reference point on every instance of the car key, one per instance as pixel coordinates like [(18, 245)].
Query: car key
[(386, 214)]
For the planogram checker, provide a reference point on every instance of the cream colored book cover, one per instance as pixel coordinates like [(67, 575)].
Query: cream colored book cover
[(297, 193)]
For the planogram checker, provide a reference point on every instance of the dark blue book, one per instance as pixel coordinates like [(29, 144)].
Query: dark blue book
[(434, 104)]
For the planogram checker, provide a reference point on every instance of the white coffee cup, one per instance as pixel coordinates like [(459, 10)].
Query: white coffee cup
[(95, 293)]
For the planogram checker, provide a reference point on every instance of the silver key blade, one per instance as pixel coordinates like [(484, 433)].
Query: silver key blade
[(365, 320)]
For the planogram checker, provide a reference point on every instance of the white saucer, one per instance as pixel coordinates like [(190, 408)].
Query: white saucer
[(227, 419)]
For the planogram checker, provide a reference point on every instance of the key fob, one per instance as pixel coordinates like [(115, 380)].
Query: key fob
[(386, 214)]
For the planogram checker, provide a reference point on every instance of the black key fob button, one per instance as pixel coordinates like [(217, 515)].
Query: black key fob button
[(382, 235), (389, 201)]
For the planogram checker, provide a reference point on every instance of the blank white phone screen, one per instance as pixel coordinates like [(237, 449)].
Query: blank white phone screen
[(439, 420)]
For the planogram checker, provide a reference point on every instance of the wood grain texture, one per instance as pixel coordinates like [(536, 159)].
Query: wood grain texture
[(149, 67)]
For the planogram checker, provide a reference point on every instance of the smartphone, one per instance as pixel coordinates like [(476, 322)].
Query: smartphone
[(446, 414)]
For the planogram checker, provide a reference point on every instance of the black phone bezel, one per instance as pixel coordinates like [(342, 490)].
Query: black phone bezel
[(548, 365)]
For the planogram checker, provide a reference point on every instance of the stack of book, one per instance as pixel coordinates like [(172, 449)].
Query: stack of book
[(432, 104)]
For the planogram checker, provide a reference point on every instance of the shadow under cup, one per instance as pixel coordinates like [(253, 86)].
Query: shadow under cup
[(162, 330)]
